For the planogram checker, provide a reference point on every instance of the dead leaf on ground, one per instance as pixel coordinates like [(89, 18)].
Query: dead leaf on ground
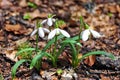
[(104, 78), (5, 4), (11, 55), (17, 29), (90, 60), (23, 3), (36, 13), (45, 65), (21, 41), (46, 74), (1, 35), (38, 2)]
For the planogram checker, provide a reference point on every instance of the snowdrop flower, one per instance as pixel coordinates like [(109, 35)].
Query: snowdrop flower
[(41, 32), (58, 31), (85, 34), (49, 20)]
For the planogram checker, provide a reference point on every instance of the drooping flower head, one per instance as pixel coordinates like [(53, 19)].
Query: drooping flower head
[(41, 30), (49, 20), (58, 31), (85, 34)]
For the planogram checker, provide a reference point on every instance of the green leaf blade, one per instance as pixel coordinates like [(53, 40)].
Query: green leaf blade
[(17, 64), (35, 59), (24, 50), (98, 53)]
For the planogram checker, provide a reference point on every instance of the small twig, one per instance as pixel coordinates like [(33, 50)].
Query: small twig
[(21, 21), (103, 72)]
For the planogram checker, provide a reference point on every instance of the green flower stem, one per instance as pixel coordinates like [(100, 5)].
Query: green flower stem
[(79, 37), (37, 37), (54, 52), (81, 25)]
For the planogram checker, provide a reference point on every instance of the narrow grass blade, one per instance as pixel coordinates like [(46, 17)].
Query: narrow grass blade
[(15, 67), (35, 59), (98, 53), (24, 50)]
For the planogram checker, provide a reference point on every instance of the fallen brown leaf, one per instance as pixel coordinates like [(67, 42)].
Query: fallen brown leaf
[(17, 29), (23, 3), (104, 78), (36, 13), (54, 78), (1, 35), (11, 55), (90, 60), (38, 2), (5, 4)]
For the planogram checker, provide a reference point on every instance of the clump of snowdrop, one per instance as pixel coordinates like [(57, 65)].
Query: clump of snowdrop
[(58, 31), (85, 34), (41, 31), (49, 20)]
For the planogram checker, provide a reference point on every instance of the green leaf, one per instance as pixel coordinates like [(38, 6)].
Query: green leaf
[(49, 55), (24, 50), (17, 64), (74, 52), (36, 58), (69, 41), (59, 71), (31, 4), (98, 53), (51, 42), (1, 77), (72, 41), (27, 16), (73, 38)]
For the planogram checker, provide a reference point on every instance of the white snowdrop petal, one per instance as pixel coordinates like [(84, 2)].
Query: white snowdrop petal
[(85, 35), (57, 31), (44, 21), (95, 34), (65, 33), (33, 32), (46, 30), (52, 34), (49, 21), (53, 20), (41, 33)]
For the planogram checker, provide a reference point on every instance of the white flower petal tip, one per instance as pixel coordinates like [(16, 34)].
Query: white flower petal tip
[(41, 32), (57, 32), (95, 34), (49, 22), (52, 34), (65, 33), (85, 35), (53, 20), (44, 21), (34, 32), (46, 30)]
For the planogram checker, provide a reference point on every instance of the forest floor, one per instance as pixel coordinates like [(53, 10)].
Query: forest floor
[(102, 16)]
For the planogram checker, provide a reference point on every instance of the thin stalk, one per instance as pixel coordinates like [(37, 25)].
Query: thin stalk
[(54, 53), (81, 25), (79, 37), (37, 37)]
